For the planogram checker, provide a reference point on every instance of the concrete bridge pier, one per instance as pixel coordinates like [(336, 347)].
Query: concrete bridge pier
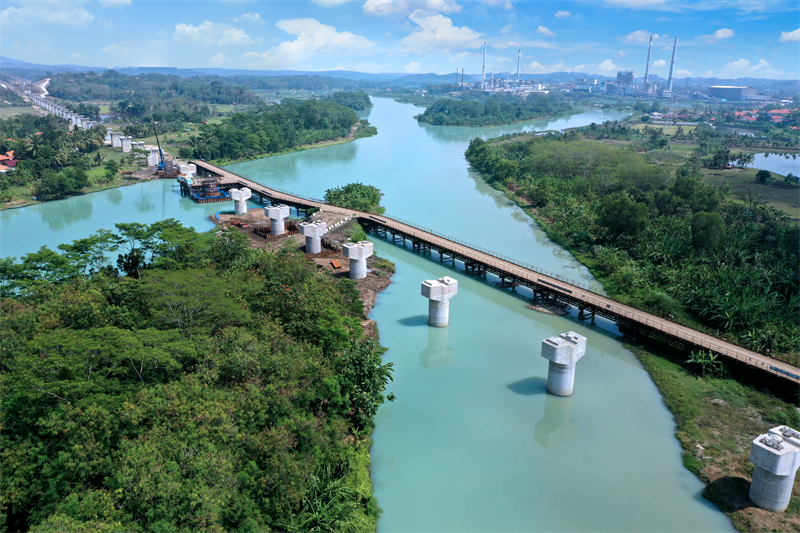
[(776, 456), (127, 144), (115, 140), (108, 134), (276, 214), (562, 352), (240, 197), (313, 232), (357, 253), (438, 292)]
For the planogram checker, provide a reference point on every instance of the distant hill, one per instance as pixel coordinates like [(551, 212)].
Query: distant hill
[(36, 71)]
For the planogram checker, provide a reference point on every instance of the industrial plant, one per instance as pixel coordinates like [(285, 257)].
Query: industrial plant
[(624, 85)]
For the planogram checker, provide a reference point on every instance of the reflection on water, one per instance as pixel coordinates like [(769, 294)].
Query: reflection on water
[(144, 202), (80, 208), (114, 196), (555, 428), (437, 353)]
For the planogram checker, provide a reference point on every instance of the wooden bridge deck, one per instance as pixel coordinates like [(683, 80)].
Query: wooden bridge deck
[(574, 293)]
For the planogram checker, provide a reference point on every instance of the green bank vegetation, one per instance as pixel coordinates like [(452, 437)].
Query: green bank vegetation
[(356, 196), (271, 129), (212, 388), (658, 236), (493, 110), (717, 418), (358, 100)]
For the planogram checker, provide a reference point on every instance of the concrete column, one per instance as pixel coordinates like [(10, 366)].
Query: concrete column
[(108, 134), (357, 253), (562, 352), (438, 292), (776, 456), (115, 140), (73, 118), (240, 197), (276, 214), (313, 232), (126, 144)]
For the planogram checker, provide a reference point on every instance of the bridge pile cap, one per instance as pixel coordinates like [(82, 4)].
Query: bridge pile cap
[(777, 451), (441, 289), (566, 349)]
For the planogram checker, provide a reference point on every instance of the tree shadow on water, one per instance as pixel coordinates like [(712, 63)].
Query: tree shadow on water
[(529, 386)]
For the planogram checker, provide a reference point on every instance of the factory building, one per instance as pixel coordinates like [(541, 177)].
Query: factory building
[(729, 92)]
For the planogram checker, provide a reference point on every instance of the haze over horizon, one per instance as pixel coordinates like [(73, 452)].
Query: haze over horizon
[(716, 38)]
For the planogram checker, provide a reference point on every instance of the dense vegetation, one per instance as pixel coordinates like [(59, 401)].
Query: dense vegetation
[(10, 98), (492, 111), (213, 388), (146, 89), (659, 237), (271, 129), (357, 100), (53, 162), (357, 196)]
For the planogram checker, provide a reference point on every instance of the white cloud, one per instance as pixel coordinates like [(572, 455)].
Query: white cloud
[(209, 33), (219, 60), (660, 63), (235, 37), (202, 34), (537, 68), (622, 53), (330, 3), (505, 30), (312, 37), (639, 37), (115, 3), (107, 24), (545, 31), (29, 15), (742, 68), (249, 17), (413, 67), (680, 73), (719, 35), (635, 3), (790, 36), (76, 55), (607, 67), (382, 8), (436, 32), (562, 14), (507, 4)]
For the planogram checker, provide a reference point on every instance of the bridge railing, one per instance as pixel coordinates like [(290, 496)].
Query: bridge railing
[(287, 193), (502, 257)]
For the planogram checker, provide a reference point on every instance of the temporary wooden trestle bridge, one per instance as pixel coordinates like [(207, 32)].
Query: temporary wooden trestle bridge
[(589, 301)]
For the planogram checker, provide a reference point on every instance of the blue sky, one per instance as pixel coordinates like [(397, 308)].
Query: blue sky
[(720, 38)]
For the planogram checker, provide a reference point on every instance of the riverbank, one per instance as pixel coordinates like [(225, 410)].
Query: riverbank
[(333, 262), (356, 132), (716, 421), (575, 111)]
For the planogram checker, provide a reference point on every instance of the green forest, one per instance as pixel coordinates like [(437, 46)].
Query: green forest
[(356, 196), (492, 111), (211, 388), (358, 100), (657, 236), (271, 129), (54, 163)]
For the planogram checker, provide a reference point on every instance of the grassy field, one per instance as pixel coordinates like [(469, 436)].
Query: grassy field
[(745, 189), (717, 420), (13, 111), (668, 130)]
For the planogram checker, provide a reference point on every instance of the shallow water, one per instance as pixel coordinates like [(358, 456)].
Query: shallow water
[(472, 442)]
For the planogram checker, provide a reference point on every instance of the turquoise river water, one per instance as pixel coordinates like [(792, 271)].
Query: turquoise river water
[(472, 442)]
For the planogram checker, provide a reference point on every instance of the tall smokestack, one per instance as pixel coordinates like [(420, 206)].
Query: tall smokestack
[(519, 58), (462, 76), (456, 76), (672, 65), (647, 68), (483, 70)]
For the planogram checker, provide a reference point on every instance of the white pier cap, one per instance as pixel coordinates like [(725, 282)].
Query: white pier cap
[(313, 231), (276, 214), (240, 197), (776, 456), (358, 252), (438, 292), (562, 352)]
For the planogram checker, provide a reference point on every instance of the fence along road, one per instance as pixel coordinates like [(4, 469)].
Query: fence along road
[(567, 290)]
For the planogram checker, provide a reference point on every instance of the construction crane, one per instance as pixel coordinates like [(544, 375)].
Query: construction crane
[(161, 165)]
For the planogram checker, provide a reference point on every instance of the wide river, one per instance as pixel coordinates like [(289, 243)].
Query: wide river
[(472, 442)]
